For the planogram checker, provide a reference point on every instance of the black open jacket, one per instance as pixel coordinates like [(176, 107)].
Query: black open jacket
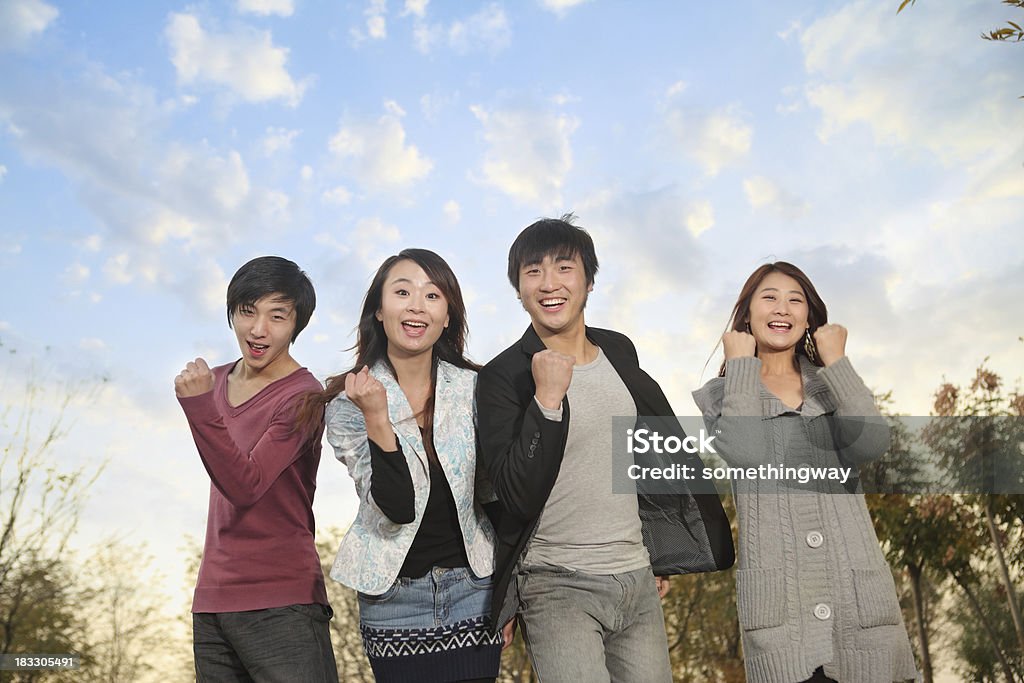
[(522, 453)]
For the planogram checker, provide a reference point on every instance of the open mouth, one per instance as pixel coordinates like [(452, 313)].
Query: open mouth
[(258, 349), (414, 328), (780, 326), (553, 302)]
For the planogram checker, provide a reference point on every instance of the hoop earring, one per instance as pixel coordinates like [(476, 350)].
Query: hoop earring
[(809, 346)]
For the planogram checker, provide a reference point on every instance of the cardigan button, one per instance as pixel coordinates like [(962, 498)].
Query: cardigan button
[(822, 611), (815, 539)]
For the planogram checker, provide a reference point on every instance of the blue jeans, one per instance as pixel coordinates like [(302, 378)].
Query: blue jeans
[(281, 644), (593, 628)]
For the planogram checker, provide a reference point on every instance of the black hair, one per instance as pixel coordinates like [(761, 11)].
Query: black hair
[(267, 275), (554, 237)]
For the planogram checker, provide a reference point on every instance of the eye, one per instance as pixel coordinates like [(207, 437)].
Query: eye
[(246, 311), (433, 295), (402, 292), (565, 266), (278, 318), (532, 271), (769, 297)]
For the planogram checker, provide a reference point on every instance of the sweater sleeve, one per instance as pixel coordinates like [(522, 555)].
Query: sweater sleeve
[(859, 431), (243, 478), (732, 412)]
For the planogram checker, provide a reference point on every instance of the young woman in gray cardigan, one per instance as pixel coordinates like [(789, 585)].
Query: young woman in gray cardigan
[(815, 597)]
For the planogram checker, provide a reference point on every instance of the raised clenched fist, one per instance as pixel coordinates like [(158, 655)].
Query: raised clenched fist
[(738, 344), (552, 373), (195, 379), (367, 393), (830, 340)]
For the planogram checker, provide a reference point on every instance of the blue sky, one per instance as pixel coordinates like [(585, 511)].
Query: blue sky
[(149, 149)]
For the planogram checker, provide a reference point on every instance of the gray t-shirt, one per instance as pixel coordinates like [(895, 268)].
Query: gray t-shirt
[(584, 525)]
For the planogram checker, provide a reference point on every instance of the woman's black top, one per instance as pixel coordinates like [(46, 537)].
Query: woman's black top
[(438, 541)]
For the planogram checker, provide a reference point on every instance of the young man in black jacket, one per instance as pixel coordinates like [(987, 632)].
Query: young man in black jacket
[(577, 562)]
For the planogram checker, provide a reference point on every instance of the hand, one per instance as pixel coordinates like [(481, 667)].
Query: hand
[(508, 633), (830, 340), (738, 344), (662, 583), (552, 373), (195, 379), (367, 393)]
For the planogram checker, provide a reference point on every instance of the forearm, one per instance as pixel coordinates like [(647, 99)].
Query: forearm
[(391, 484), (859, 431)]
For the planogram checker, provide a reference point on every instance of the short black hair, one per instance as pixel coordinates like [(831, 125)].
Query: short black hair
[(554, 237), (266, 275)]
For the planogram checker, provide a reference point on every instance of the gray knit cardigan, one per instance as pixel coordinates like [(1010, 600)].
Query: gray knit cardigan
[(812, 586)]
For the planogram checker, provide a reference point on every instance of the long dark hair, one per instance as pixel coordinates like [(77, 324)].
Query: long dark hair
[(371, 344), (817, 313)]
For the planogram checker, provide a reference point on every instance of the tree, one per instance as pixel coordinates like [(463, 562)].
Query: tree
[(1011, 33), (40, 504), (127, 637)]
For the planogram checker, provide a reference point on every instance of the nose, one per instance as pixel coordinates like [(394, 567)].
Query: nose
[(548, 282), (415, 304), (259, 326)]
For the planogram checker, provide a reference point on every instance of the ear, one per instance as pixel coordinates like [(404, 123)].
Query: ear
[(379, 316), (447, 319)]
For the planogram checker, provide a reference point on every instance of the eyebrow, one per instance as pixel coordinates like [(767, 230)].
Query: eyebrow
[(775, 289), (398, 280)]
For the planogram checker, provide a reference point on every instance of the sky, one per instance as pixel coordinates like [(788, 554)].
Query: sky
[(147, 150)]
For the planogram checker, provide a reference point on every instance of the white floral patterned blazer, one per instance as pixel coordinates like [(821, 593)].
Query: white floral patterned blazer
[(374, 549)]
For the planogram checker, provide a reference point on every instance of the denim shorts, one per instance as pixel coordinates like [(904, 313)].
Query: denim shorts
[(431, 628)]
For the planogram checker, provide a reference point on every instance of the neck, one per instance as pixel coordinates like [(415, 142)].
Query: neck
[(571, 341), (412, 370), (281, 367), (778, 362)]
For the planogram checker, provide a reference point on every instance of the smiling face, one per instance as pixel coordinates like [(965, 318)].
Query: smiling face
[(554, 293), (413, 310), (778, 313), (264, 332)]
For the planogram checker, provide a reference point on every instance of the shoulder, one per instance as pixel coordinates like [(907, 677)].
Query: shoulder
[(709, 397), (509, 361), (613, 343), (451, 374)]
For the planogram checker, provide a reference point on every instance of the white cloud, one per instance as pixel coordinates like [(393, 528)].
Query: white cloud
[(371, 237), (306, 173), (76, 274), (283, 8), (277, 140), (528, 153), (415, 7), (763, 193), (488, 30), (888, 72), (700, 217), (23, 20), (338, 195), (376, 154), (376, 23), (452, 211), (560, 7), (3, 172), (224, 179), (92, 344), (715, 140), (245, 61), (676, 88)]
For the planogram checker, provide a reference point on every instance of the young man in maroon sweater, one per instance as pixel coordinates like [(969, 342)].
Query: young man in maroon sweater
[(260, 610)]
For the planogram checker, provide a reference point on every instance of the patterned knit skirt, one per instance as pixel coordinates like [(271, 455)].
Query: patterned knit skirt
[(433, 629)]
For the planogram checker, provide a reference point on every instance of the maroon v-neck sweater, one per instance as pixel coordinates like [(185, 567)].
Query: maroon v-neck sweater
[(259, 550)]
